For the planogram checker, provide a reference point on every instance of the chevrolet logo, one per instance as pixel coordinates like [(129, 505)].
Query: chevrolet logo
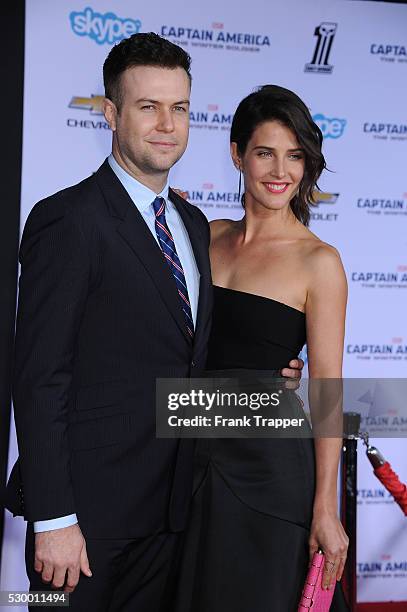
[(94, 104), (319, 197)]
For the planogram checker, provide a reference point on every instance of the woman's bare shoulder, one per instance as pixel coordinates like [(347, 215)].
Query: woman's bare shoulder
[(324, 260), (316, 250), (323, 253)]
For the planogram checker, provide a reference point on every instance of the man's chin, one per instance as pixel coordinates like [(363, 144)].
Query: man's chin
[(164, 165)]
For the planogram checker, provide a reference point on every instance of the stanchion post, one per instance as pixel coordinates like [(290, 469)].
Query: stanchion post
[(349, 503)]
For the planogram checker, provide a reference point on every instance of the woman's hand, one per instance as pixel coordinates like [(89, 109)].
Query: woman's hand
[(327, 533), (183, 194)]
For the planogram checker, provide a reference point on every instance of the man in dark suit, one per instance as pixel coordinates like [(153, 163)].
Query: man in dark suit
[(115, 292)]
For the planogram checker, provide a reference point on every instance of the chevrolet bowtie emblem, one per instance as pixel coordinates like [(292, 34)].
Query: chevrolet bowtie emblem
[(94, 104), (320, 197)]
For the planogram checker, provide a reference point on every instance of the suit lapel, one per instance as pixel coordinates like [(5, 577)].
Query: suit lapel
[(133, 229)]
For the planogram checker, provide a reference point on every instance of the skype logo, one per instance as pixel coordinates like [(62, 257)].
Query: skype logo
[(330, 128), (103, 28)]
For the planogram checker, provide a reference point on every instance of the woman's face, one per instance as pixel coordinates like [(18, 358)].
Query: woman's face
[(272, 165)]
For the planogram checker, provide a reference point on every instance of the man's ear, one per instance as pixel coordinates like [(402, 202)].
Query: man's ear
[(235, 156), (110, 113)]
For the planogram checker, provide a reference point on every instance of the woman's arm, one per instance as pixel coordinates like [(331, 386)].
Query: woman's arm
[(325, 319)]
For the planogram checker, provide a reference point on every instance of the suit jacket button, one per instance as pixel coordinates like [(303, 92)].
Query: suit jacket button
[(193, 364)]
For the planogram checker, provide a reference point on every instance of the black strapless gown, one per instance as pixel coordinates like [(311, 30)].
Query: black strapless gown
[(246, 546)]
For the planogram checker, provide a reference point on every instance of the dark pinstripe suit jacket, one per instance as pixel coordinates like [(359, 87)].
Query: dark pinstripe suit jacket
[(98, 321)]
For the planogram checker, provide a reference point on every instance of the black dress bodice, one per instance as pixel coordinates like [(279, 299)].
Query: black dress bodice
[(252, 331)]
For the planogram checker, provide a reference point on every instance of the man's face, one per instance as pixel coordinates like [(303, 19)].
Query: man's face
[(151, 127)]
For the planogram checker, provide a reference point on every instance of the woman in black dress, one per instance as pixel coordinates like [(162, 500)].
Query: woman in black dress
[(261, 507)]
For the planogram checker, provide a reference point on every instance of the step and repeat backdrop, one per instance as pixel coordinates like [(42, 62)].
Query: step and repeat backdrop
[(348, 61)]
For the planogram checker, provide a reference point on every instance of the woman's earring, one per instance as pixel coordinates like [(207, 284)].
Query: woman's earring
[(240, 183)]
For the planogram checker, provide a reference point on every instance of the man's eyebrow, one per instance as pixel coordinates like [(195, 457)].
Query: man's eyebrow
[(158, 102)]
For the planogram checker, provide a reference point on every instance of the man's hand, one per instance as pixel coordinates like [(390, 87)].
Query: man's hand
[(294, 371), (58, 552)]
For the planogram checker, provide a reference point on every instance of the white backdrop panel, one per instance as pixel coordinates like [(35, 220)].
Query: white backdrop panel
[(359, 104)]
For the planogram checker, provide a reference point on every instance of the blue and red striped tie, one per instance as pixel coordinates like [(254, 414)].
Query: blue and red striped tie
[(167, 244)]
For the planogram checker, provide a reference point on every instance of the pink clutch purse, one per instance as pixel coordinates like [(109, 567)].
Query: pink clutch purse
[(314, 597)]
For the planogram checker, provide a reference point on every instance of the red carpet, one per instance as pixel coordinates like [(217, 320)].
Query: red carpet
[(399, 606)]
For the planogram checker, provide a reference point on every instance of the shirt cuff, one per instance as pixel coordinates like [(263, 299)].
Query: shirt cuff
[(57, 523)]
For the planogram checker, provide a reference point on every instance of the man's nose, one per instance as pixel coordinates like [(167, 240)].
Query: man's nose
[(165, 121)]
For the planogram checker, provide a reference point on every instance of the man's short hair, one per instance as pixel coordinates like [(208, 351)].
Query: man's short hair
[(141, 50)]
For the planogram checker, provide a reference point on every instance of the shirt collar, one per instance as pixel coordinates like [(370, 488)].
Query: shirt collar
[(141, 195)]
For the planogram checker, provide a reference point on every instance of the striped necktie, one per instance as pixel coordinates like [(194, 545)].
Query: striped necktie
[(167, 244)]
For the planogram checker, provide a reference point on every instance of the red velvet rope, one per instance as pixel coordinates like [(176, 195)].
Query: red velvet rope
[(390, 480)]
